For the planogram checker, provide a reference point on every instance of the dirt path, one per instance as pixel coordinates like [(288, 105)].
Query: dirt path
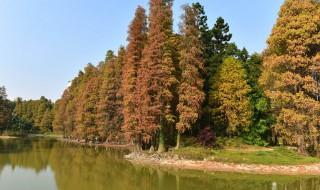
[(312, 169)]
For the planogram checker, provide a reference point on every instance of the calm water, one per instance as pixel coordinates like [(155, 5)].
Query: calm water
[(42, 164)]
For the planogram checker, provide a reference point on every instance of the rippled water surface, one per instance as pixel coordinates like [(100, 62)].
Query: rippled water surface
[(41, 163)]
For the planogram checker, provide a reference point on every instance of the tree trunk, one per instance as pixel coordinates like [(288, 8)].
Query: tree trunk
[(151, 150), (161, 140), (302, 147), (178, 140), (138, 143), (138, 147), (161, 137)]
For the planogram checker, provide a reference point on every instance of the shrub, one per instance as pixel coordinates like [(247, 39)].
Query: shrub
[(206, 137), (14, 133)]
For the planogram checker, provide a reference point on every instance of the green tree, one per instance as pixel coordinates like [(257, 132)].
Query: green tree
[(40, 109), (31, 112), (260, 130), (5, 111), (46, 123)]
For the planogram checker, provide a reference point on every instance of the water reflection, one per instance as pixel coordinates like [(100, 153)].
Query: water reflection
[(72, 166)]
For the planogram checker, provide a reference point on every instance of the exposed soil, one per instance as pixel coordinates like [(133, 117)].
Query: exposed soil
[(175, 161)]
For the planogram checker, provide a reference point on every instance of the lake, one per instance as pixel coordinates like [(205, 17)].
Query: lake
[(44, 163)]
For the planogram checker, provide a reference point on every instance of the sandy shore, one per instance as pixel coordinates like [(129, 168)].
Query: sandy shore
[(166, 161), (7, 137)]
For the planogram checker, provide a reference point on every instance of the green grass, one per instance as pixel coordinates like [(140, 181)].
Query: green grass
[(235, 151), (53, 133), (14, 133), (278, 156), (191, 153), (28, 133)]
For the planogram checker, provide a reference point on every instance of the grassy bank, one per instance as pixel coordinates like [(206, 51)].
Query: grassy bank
[(237, 152), (277, 156), (29, 133)]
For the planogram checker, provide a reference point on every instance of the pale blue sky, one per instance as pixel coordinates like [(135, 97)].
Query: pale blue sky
[(44, 43)]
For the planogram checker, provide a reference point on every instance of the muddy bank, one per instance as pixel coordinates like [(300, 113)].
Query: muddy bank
[(176, 162), (106, 144)]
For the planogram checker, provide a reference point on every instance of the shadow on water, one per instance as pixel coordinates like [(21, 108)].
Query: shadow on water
[(80, 167)]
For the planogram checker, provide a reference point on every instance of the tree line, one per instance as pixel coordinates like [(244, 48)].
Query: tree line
[(164, 85), (22, 115)]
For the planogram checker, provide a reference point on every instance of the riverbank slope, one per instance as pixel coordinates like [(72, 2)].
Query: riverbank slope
[(176, 162), (272, 160)]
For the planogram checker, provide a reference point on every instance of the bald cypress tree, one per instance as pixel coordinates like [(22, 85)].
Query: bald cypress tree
[(118, 119), (156, 75), (229, 97), (136, 42), (291, 71), (111, 98), (60, 113), (102, 105), (86, 121), (190, 91), (107, 104)]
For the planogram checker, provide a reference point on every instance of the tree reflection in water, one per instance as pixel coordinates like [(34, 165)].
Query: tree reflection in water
[(80, 167)]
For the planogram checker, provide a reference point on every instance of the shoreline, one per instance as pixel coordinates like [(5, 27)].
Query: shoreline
[(107, 145), (175, 162), (8, 137)]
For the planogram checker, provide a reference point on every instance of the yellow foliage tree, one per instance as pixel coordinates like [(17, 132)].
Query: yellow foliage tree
[(291, 73), (229, 93)]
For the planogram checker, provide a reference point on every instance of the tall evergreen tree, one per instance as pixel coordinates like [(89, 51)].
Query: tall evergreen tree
[(102, 115), (136, 42), (118, 119), (156, 76), (220, 39), (215, 42), (111, 101), (190, 89), (260, 130), (71, 112), (46, 122), (3, 92), (290, 73), (5, 112), (86, 121), (42, 105), (59, 114)]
